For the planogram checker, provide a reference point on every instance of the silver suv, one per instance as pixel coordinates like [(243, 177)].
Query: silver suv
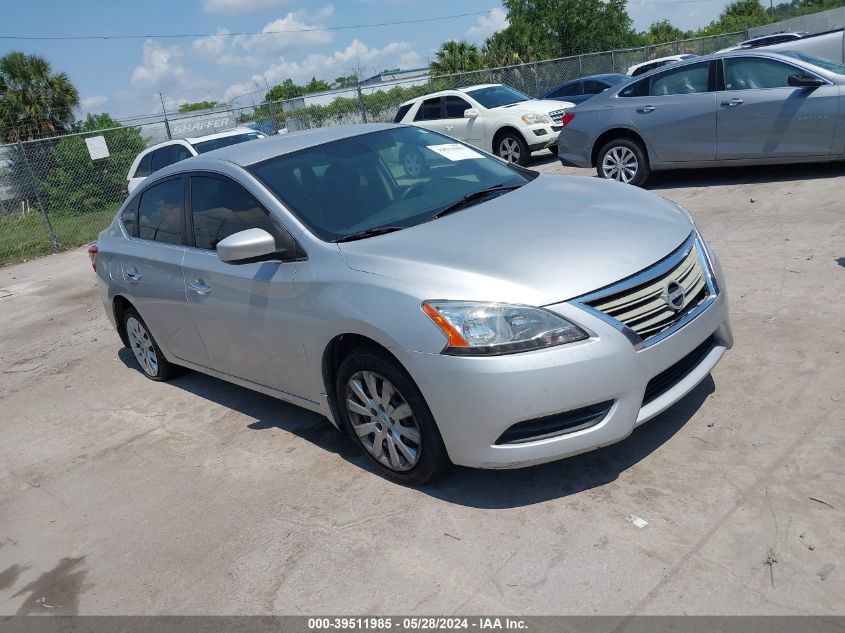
[(478, 314)]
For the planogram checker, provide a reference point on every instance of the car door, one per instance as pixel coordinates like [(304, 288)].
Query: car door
[(432, 115), (675, 112), (246, 313), (151, 267), (456, 124), (761, 116)]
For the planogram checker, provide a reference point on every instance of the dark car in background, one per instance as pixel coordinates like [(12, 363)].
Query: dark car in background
[(579, 90)]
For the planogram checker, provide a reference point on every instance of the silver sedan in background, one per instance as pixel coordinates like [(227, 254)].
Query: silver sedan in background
[(477, 313), (735, 108)]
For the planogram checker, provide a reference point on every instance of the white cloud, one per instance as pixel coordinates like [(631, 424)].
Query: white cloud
[(212, 45), (355, 55), (234, 7), (159, 62), (487, 25), (298, 32), (92, 101)]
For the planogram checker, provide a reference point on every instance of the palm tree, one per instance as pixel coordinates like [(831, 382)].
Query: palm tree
[(457, 57), (34, 101)]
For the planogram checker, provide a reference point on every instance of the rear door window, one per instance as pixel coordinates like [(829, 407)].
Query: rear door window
[(576, 88), (160, 212), (161, 158), (684, 80), (429, 110), (593, 87)]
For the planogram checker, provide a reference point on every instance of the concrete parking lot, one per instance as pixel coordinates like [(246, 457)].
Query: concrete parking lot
[(119, 495)]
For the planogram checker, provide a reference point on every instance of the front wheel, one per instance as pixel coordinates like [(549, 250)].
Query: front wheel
[(624, 160), (513, 148), (385, 412)]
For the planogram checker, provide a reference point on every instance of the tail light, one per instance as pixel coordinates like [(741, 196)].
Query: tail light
[(567, 118), (92, 254)]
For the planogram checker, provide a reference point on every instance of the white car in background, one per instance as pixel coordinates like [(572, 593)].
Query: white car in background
[(493, 117), (644, 67), (154, 158)]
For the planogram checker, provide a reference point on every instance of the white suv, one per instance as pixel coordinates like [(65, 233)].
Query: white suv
[(492, 117), (154, 158)]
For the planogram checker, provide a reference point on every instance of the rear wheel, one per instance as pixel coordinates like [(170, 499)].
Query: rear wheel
[(150, 360), (624, 160), (385, 412), (413, 162), (512, 147)]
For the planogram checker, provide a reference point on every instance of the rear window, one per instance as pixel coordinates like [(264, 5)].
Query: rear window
[(144, 168), (217, 143), (401, 112)]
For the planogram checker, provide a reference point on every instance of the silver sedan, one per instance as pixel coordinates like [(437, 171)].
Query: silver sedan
[(734, 108), (475, 313)]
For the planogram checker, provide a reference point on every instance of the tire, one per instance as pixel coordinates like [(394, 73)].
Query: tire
[(151, 361), (408, 449), (512, 147), (413, 162), (623, 160)]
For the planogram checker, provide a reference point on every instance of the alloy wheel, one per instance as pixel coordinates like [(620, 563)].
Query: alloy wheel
[(620, 163), (383, 420), (142, 346), (509, 149)]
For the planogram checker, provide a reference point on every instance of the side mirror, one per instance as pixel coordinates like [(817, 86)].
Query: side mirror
[(248, 246), (804, 81), (470, 113)]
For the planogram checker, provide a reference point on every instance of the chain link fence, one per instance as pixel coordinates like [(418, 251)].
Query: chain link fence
[(60, 192)]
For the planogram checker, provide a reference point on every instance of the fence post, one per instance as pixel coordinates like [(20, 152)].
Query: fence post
[(47, 224), (613, 61), (536, 81), (580, 65), (166, 122), (361, 105)]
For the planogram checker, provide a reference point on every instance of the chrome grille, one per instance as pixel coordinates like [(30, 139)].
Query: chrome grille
[(557, 116), (644, 307)]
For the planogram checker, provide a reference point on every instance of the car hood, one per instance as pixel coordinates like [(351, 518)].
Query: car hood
[(553, 239), (538, 105)]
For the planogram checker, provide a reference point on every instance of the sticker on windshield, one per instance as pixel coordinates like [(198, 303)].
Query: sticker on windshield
[(455, 151)]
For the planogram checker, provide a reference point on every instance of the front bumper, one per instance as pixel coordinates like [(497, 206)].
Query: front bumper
[(541, 136), (474, 400)]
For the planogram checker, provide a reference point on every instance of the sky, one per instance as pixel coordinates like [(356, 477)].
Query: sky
[(124, 76)]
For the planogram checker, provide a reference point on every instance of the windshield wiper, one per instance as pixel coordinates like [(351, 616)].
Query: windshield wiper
[(470, 198), (360, 235)]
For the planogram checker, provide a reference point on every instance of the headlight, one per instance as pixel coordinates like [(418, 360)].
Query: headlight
[(534, 118), (496, 328)]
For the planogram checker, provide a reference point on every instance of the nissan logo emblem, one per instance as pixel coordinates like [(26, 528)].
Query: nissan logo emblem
[(673, 295)]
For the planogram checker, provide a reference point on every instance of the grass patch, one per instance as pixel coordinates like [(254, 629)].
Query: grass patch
[(25, 237)]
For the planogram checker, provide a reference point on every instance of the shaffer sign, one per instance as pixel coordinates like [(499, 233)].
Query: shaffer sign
[(202, 124)]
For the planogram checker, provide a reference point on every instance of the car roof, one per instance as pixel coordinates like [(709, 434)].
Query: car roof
[(743, 52), (244, 154), (221, 134), (447, 91)]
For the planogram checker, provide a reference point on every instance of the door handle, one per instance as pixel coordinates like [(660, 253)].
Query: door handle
[(646, 109), (199, 287), (133, 275), (733, 102)]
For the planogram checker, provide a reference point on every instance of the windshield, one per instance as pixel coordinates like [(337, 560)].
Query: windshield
[(497, 96), (225, 141), (821, 62), (398, 177)]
